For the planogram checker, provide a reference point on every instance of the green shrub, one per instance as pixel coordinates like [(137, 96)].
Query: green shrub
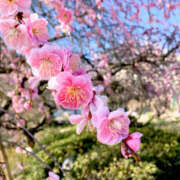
[(160, 156)]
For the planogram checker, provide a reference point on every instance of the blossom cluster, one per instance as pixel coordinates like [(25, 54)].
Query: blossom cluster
[(69, 83)]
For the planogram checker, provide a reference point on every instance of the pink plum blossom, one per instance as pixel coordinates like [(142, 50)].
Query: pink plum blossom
[(65, 16), (72, 91), (73, 65), (53, 176), (19, 150), (99, 3), (9, 7), (63, 53), (18, 15), (20, 166), (21, 122), (112, 127), (18, 104), (57, 4), (65, 28), (11, 93), (88, 113), (74, 62), (33, 82), (81, 120), (97, 102), (37, 29), (131, 144), (26, 50), (29, 94), (28, 105), (98, 89), (14, 33), (47, 61)]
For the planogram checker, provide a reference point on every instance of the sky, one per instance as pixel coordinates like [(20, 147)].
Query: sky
[(174, 19)]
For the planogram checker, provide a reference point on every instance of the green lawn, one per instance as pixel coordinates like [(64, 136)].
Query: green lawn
[(160, 156)]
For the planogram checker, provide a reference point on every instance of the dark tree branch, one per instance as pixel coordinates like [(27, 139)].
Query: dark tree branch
[(163, 57), (29, 152)]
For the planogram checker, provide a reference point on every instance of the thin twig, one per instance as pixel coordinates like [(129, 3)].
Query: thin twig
[(40, 145), (32, 153), (56, 38)]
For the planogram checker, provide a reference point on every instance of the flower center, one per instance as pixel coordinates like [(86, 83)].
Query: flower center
[(46, 67), (74, 94), (10, 1), (46, 62), (35, 31), (115, 125), (13, 32), (65, 16), (38, 30)]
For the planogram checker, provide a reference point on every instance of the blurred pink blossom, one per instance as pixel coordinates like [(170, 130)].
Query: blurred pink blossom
[(27, 105), (18, 104), (19, 150), (65, 16), (81, 120), (33, 82), (47, 61), (14, 34), (53, 176), (9, 7), (21, 122), (20, 165), (57, 4), (37, 29), (74, 62)]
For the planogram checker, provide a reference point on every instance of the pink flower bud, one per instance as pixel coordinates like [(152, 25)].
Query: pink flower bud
[(27, 105), (131, 144)]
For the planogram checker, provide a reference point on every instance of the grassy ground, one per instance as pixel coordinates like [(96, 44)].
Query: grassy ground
[(160, 156)]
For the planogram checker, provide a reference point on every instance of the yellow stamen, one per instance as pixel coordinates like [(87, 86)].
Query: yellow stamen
[(74, 94), (46, 67), (14, 32), (10, 1), (65, 16), (35, 31)]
